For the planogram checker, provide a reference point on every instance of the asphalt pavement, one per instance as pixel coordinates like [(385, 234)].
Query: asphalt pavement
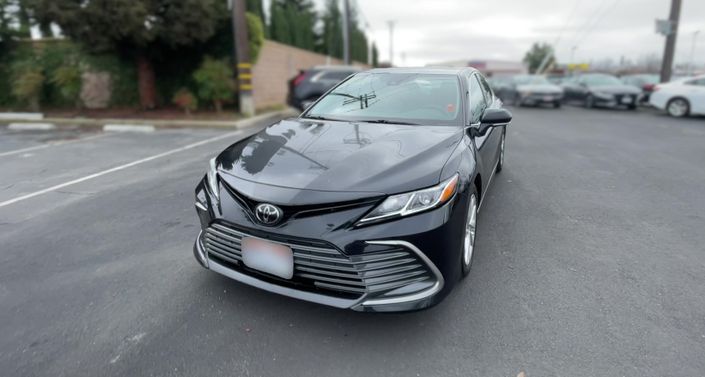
[(590, 261)]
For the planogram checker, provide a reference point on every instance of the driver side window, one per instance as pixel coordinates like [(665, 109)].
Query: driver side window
[(477, 100)]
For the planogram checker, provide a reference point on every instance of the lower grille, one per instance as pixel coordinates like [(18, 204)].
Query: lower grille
[(319, 266)]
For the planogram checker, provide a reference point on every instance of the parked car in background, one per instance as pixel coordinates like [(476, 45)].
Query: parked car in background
[(645, 82), (597, 89), (499, 84), (681, 97), (556, 79), (530, 90), (310, 84)]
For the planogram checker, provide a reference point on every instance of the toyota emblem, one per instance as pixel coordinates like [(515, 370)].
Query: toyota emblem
[(268, 214)]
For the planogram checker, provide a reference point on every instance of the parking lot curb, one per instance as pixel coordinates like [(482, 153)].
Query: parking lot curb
[(31, 126), (74, 123), (21, 116), (128, 128)]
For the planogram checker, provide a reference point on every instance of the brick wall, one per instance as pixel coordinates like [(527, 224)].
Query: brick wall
[(277, 64)]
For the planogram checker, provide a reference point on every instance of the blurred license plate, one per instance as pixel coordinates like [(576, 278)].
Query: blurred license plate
[(627, 100), (547, 98), (268, 257)]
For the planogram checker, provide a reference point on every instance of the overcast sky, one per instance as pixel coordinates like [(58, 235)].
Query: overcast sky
[(439, 30)]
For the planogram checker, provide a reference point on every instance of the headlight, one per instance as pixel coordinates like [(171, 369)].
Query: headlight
[(213, 179), (414, 202)]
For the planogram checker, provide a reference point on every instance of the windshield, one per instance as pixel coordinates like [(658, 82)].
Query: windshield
[(531, 80), (601, 80), (412, 98)]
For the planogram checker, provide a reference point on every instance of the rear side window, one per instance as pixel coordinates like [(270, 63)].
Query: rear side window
[(697, 82)]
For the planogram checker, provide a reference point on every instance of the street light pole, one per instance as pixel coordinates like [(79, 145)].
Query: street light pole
[(242, 58), (572, 54), (391, 42), (691, 65)]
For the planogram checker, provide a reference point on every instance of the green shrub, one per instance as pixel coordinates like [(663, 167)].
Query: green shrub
[(185, 100), (215, 84), (67, 79), (255, 31), (27, 87)]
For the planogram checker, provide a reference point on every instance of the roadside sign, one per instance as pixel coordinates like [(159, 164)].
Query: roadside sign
[(664, 27)]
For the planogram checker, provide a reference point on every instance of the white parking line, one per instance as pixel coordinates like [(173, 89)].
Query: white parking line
[(50, 144), (118, 168)]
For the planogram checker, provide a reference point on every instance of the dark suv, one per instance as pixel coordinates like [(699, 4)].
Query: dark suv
[(309, 85)]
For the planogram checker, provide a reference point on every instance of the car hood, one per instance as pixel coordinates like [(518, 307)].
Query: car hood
[(615, 89), (540, 88), (342, 156)]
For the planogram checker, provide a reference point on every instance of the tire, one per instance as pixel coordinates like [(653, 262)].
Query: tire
[(500, 163), (589, 101), (465, 259), (678, 107), (557, 105), (631, 107)]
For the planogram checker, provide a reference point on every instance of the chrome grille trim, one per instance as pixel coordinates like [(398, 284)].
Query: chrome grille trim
[(329, 269), (435, 288)]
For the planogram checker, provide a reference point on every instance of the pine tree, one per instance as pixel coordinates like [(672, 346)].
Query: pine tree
[(293, 22), (332, 35)]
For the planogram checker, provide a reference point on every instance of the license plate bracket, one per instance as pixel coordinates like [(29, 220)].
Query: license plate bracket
[(273, 258)]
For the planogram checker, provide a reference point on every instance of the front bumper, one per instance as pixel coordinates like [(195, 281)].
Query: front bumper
[(617, 100), (427, 245)]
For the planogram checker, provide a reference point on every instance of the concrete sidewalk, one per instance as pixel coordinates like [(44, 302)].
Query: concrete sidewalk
[(142, 125)]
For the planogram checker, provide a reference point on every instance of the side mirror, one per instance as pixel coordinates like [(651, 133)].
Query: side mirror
[(492, 118)]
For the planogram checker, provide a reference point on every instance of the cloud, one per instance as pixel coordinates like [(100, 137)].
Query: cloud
[(438, 30)]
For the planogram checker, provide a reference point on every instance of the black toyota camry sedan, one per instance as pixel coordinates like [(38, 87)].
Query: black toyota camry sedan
[(596, 89), (368, 200)]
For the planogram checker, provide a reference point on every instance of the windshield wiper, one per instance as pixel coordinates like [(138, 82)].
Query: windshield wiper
[(387, 121), (318, 117)]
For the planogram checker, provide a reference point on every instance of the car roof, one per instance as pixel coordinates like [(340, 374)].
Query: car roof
[(336, 68), (425, 70)]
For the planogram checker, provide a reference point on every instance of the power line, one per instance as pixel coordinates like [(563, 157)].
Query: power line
[(588, 20), (567, 22), (598, 20)]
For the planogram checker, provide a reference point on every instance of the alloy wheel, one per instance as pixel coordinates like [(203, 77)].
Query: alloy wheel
[(677, 107), (470, 228)]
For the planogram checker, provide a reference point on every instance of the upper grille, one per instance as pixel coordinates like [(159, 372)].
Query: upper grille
[(321, 267)]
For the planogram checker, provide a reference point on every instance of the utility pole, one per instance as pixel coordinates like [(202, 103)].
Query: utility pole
[(691, 65), (391, 42), (242, 58), (670, 49), (346, 32)]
